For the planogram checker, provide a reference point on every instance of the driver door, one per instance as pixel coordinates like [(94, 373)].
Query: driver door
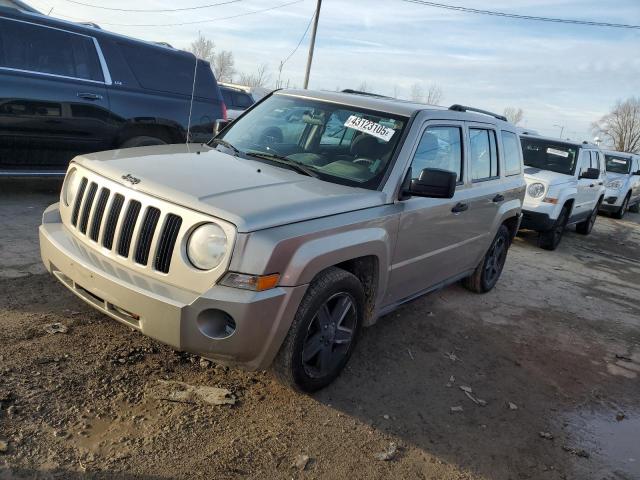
[(587, 192)]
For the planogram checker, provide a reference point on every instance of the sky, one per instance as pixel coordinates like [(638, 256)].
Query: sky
[(562, 76)]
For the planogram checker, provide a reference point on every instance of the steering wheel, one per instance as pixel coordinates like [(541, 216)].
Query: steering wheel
[(365, 161)]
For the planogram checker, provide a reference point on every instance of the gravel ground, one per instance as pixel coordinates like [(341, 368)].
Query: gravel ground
[(551, 358)]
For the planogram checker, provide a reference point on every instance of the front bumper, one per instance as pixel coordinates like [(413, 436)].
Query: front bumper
[(172, 315), (612, 201), (538, 221)]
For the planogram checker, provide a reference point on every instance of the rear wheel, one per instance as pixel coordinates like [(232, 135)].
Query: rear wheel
[(487, 273), (622, 211), (550, 239), (585, 227), (323, 333), (142, 141)]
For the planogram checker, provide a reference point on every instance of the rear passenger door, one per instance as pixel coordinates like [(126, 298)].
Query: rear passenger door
[(436, 236), (48, 77), (487, 192)]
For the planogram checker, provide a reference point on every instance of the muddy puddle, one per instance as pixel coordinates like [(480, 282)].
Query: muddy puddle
[(611, 438)]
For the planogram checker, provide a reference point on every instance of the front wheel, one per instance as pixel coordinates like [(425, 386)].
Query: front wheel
[(323, 333), (623, 208), (585, 227), (550, 239), (487, 273)]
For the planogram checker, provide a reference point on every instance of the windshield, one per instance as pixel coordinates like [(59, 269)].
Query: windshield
[(336, 143), (618, 164), (549, 155)]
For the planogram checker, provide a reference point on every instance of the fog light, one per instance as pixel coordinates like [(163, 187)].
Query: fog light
[(216, 324)]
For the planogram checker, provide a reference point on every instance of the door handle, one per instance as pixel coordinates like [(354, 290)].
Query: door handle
[(89, 96), (591, 186), (460, 207), (498, 198), (600, 183)]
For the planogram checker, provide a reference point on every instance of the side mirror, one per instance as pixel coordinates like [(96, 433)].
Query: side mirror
[(637, 172), (591, 174), (434, 183)]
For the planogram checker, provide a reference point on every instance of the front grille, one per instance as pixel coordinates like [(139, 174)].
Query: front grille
[(124, 226)]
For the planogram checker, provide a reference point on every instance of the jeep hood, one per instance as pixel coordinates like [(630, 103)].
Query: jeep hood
[(251, 194), (532, 175)]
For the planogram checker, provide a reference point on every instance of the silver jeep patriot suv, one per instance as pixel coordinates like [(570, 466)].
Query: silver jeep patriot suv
[(310, 216)]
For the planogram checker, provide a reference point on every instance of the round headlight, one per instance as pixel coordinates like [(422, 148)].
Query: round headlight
[(207, 246), (535, 190), (70, 188)]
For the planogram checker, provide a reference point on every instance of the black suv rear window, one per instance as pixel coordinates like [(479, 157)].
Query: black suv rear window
[(41, 49)]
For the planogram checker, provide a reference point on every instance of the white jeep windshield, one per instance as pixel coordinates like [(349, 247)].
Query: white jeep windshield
[(617, 164), (549, 155), (337, 143)]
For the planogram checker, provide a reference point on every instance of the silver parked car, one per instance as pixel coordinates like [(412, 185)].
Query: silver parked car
[(623, 184), (312, 215)]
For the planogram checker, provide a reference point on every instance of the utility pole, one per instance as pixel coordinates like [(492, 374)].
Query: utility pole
[(312, 44)]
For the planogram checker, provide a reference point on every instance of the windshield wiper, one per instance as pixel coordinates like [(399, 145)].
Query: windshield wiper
[(224, 143), (272, 157)]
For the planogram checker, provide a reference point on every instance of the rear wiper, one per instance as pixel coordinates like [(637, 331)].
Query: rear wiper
[(224, 143), (272, 157)]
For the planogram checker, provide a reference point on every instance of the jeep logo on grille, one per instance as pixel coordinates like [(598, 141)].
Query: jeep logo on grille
[(130, 178)]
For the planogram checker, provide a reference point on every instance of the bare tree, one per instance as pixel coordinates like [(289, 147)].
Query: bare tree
[(203, 48), (223, 66), (416, 93), (258, 79), (363, 87), (514, 115), (620, 128), (434, 95)]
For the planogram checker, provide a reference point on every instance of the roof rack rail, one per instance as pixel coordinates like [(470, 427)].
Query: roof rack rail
[(358, 92), (462, 108)]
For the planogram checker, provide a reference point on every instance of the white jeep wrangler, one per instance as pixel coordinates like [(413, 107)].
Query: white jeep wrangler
[(565, 186)]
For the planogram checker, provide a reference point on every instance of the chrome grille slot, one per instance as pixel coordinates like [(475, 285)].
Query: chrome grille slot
[(96, 223), (145, 236), (86, 209), (112, 221), (133, 230), (129, 223), (167, 242), (76, 206)]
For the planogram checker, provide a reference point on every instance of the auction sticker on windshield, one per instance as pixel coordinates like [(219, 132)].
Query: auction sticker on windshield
[(372, 128), (560, 153)]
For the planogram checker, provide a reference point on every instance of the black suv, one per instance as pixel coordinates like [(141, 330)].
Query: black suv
[(68, 89)]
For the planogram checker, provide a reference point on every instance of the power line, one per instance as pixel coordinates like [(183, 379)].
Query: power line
[(521, 17), (188, 23), (299, 42), (152, 10)]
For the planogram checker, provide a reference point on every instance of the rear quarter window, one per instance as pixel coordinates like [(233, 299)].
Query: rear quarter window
[(511, 150), (159, 68)]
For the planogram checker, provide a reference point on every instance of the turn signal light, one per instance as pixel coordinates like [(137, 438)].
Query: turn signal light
[(257, 283)]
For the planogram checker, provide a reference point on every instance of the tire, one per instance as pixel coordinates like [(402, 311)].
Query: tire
[(142, 141), (635, 208), (584, 228), (487, 273), (319, 345), (622, 211), (550, 239)]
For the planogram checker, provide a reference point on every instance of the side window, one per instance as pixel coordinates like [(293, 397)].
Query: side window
[(511, 149), (439, 147), (243, 100), (595, 160), (483, 155), (227, 97), (585, 162), (46, 50)]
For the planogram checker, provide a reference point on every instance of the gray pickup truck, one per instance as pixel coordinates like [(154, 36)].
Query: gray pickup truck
[(312, 215)]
